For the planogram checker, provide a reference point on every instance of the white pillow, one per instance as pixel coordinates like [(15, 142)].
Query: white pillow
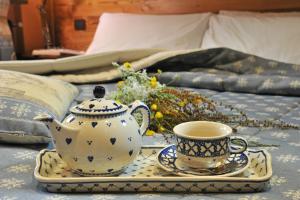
[(270, 36), (258, 14), (130, 31)]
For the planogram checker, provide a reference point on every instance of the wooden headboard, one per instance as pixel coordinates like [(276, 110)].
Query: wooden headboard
[(88, 11)]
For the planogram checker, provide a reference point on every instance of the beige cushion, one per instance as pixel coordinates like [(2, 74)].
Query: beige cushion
[(22, 97)]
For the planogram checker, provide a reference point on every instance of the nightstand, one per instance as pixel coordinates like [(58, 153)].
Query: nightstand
[(55, 53)]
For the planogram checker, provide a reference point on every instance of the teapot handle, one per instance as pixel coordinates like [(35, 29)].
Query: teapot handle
[(138, 105)]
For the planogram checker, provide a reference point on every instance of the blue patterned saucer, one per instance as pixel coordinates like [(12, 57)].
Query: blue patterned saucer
[(167, 160)]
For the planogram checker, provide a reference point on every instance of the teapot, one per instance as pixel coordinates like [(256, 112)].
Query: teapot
[(100, 137)]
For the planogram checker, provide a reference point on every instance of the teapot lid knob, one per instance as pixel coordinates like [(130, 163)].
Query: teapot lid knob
[(99, 91)]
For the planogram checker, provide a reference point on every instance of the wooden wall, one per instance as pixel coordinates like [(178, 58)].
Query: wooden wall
[(27, 28), (32, 30), (66, 11)]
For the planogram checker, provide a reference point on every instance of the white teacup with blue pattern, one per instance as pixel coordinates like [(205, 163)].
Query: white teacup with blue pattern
[(204, 144)]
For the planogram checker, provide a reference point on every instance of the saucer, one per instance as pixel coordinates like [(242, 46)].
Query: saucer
[(167, 160)]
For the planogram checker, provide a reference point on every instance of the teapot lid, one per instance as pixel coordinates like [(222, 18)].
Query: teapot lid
[(99, 105)]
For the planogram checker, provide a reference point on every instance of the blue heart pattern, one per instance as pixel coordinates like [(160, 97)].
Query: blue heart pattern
[(68, 140)]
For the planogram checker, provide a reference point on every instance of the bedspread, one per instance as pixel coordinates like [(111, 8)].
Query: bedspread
[(228, 70), (264, 89), (16, 174)]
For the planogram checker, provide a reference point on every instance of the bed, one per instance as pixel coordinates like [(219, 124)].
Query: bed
[(260, 82)]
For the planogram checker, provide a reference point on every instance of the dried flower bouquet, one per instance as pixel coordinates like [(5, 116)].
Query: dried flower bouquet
[(171, 106)]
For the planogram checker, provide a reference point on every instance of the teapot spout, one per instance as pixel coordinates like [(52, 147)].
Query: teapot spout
[(46, 118), (56, 127)]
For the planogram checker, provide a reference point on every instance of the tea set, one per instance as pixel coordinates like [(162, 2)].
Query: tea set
[(204, 148), (102, 138)]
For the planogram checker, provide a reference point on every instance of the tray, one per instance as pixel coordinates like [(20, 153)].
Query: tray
[(145, 176)]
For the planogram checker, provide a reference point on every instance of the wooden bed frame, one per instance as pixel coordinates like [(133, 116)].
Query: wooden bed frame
[(88, 12)]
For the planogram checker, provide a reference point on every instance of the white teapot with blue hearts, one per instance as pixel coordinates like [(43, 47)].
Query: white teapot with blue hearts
[(100, 137)]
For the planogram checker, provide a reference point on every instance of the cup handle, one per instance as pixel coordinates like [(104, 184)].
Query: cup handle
[(242, 143), (138, 105)]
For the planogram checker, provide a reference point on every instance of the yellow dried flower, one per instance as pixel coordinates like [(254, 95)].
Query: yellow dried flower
[(153, 82), (120, 84), (158, 115), (166, 112), (153, 79), (150, 132), (161, 129), (197, 101), (181, 104), (127, 65), (154, 107), (118, 101)]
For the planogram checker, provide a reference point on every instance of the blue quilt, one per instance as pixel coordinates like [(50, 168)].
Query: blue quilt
[(17, 182), (258, 91), (224, 69)]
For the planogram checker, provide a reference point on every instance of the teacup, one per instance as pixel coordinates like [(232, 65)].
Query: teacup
[(204, 144)]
